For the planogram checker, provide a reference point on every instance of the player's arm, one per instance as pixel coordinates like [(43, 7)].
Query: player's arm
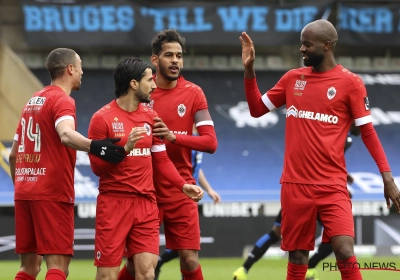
[(259, 105), (98, 130), (253, 95), (104, 148), (374, 146), (166, 168), (71, 138), (12, 159), (359, 106), (205, 142), (354, 130), (207, 187), (63, 114)]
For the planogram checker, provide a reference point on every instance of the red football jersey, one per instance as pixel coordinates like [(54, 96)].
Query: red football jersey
[(177, 107), (44, 168), (320, 108), (134, 174)]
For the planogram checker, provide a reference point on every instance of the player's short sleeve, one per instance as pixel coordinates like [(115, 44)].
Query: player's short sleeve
[(63, 109), (98, 128), (200, 101), (18, 131), (276, 96), (359, 103)]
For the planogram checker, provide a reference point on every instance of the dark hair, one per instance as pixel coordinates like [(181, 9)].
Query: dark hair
[(58, 60), (127, 70), (167, 36)]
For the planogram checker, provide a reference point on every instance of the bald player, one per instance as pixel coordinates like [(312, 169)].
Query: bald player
[(322, 101)]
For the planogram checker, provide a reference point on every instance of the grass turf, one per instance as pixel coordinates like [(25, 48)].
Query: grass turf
[(216, 269)]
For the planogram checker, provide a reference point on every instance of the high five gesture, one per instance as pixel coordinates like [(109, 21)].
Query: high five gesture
[(248, 55)]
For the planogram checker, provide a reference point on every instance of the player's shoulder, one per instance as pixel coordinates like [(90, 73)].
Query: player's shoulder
[(51, 92), (349, 75), (350, 79), (50, 96), (105, 110), (298, 72), (301, 70), (188, 85)]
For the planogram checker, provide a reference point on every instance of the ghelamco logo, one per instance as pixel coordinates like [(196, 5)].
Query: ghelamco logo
[(335, 267), (292, 111)]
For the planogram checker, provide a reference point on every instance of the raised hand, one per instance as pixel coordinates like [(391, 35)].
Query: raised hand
[(248, 52), (133, 137), (194, 192)]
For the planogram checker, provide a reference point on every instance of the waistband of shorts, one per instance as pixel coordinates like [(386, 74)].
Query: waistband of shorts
[(123, 194)]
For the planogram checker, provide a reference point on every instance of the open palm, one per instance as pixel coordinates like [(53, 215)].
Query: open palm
[(248, 52)]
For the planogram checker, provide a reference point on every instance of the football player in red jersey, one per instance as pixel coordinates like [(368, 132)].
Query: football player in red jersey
[(179, 103), (200, 177), (42, 162), (322, 101), (264, 242), (127, 212)]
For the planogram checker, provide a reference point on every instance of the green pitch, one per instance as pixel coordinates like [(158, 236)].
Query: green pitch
[(215, 269)]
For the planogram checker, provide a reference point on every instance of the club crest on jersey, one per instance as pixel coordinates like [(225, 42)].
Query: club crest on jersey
[(300, 85), (148, 129), (331, 93), (181, 110)]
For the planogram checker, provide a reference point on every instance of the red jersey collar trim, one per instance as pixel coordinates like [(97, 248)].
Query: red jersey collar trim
[(338, 67), (48, 87), (178, 81)]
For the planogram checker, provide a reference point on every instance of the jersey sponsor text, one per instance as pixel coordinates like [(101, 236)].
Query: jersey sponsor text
[(292, 111), (317, 117), (36, 100), (30, 171), (28, 158), (140, 152), (179, 132)]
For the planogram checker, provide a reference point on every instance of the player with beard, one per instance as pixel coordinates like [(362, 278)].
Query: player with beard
[(322, 101), (126, 213), (264, 242), (179, 103), (42, 162)]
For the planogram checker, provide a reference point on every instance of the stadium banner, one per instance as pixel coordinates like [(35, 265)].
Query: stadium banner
[(247, 165), (221, 237), (373, 24), (134, 23)]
